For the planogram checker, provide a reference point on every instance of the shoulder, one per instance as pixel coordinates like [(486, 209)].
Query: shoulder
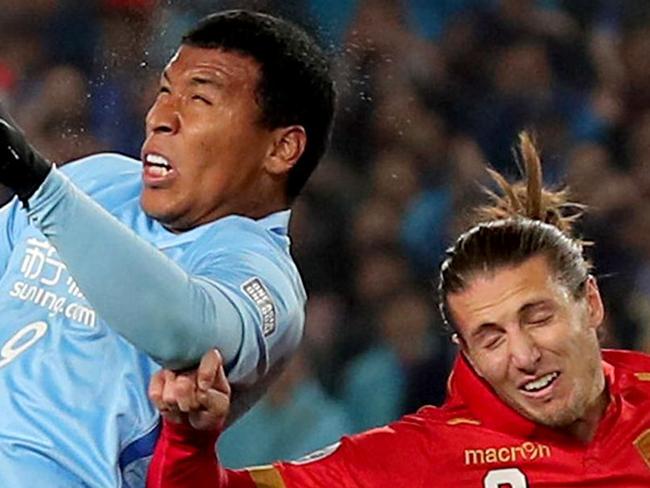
[(101, 165), (426, 420), (237, 225), (106, 175), (447, 416), (627, 361), (242, 236), (629, 374), (428, 430), (240, 249)]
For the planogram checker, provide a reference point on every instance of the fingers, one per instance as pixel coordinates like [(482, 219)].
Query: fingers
[(204, 394), (211, 373), (215, 402), (183, 391), (210, 364), (161, 389), (221, 383), (213, 394), (215, 406), (156, 386), (159, 393)]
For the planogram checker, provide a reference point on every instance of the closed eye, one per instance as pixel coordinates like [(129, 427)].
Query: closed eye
[(490, 339), (487, 336), (540, 320), (537, 313), (201, 99), (492, 342)]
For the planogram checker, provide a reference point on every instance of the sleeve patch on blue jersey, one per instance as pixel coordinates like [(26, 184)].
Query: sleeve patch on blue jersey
[(262, 299)]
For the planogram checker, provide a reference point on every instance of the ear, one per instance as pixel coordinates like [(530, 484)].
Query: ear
[(287, 146), (457, 339), (595, 308)]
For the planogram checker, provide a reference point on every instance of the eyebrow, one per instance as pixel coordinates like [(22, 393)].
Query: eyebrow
[(480, 330), (203, 81), (527, 307), (532, 306), (195, 80)]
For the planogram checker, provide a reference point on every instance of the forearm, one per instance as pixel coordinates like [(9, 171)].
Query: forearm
[(141, 293), (185, 458)]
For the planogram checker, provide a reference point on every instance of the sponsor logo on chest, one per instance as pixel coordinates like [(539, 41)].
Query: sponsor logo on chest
[(527, 451), (45, 282)]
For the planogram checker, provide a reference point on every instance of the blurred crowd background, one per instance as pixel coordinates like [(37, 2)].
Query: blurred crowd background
[(430, 92)]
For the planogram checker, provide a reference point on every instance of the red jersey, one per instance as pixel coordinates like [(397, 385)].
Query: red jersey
[(473, 440)]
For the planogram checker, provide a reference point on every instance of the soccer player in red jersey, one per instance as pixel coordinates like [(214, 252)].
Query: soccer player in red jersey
[(533, 400)]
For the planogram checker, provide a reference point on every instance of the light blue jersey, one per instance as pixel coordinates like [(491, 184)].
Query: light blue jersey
[(73, 405)]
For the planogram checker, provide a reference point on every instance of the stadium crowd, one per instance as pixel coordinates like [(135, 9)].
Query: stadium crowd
[(429, 91)]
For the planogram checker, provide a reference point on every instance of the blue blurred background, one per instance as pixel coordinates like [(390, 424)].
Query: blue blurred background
[(430, 91)]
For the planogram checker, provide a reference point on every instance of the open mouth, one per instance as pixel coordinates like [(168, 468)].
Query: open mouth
[(540, 385), (157, 170), (157, 165)]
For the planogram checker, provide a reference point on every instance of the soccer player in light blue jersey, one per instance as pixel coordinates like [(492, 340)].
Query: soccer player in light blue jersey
[(111, 267)]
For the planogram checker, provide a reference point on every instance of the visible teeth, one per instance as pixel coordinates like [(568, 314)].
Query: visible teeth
[(542, 382), (157, 170), (157, 159)]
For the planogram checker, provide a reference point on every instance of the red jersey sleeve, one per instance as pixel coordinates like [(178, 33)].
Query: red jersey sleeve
[(185, 458), (384, 457), (387, 456)]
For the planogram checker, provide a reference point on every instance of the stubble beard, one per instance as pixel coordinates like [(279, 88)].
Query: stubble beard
[(581, 398)]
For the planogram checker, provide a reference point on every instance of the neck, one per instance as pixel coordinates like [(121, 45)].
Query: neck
[(261, 201), (256, 208), (265, 198), (584, 429), (263, 211)]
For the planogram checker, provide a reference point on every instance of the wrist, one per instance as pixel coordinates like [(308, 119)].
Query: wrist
[(183, 432)]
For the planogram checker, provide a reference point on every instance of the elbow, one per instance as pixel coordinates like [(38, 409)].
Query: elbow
[(176, 356), (182, 344), (206, 321)]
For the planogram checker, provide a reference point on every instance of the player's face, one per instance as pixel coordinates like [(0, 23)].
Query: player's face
[(205, 149), (533, 342)]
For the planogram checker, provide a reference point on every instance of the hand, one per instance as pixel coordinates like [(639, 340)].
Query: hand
[(200, 397), (22, 169)]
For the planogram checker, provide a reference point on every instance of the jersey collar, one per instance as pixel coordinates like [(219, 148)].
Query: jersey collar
[(467, 388), (277, 222)]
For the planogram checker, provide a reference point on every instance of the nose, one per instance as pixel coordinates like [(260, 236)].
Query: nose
[(524, 352), (163, 117)]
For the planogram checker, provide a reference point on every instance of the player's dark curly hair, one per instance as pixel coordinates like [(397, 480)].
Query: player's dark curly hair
[(527, 220), (295, 84)]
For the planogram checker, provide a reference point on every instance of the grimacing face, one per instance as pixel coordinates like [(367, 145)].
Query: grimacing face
[(205, 148), (523, 331)]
